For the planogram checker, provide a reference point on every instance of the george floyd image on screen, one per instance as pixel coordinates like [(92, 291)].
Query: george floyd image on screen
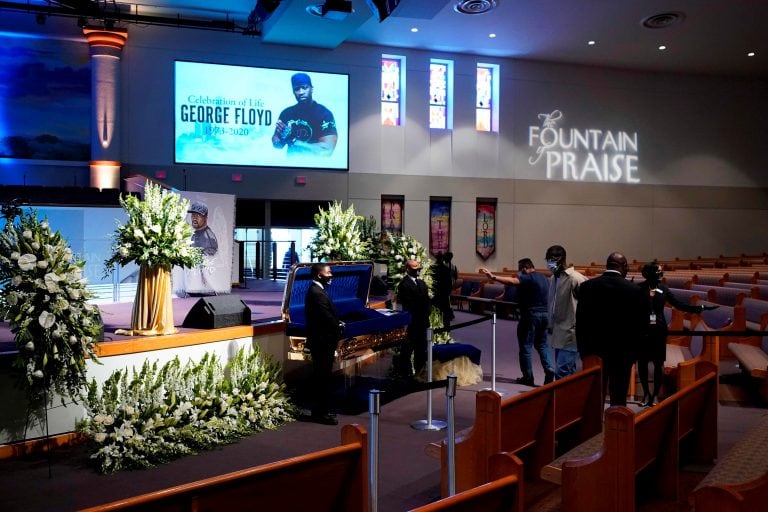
[(237, 115)]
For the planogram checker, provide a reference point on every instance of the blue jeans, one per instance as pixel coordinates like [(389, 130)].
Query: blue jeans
[(532, 332), (566, 362)]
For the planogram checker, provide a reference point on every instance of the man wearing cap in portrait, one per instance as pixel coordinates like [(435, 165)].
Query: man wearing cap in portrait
[(203, 236), (306, 127)]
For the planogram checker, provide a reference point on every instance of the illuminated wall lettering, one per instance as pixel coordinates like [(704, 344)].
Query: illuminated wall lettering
[(572, 154)]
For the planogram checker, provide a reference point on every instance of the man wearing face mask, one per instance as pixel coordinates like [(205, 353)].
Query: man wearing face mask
[(323, 332), (532, 327), (561, 304), (413, 295)]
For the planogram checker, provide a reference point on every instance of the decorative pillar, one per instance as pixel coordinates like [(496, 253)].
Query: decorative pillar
[(106, 49)]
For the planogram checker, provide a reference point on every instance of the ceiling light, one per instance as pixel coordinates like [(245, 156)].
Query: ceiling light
[(662, 47), (492, 35), (751, 54), (474, 6), (415, 29), (591, 43)]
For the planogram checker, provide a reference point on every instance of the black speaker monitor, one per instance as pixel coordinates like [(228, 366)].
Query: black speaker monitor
[(218, 311)]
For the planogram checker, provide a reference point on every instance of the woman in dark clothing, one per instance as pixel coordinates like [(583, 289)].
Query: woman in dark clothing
[(655, 348)]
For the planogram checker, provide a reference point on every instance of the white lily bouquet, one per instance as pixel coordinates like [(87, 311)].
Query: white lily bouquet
[(156, 234), (44, 297), (339, 235)]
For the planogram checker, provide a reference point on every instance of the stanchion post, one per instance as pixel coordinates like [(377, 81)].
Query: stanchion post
[(429, 423), (493, 355), (450, 393), (374, 410)]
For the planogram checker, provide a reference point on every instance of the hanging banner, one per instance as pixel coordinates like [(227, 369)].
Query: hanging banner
[(439, 225), (485, 230), (392, 214)]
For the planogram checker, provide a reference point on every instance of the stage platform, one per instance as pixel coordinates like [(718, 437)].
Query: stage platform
[(263, 297), (118, 352)]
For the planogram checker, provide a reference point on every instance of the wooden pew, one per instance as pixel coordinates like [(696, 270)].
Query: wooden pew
[(528, 425), (680, 363), (503, 493), (332, 480), (727, 318), (739, 481), (681, 427), (754, 362)]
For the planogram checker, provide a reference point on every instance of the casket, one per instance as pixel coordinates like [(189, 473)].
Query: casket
[(367, 329)]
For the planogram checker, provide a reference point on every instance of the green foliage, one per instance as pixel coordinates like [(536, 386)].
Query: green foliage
[(157, 414)]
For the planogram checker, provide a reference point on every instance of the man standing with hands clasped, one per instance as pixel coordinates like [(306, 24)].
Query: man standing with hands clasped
[(611, 322), (324, 329), (413, 295)]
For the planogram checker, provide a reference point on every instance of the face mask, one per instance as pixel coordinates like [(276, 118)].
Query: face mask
[(413, 272), (325, 280), (552, 265)]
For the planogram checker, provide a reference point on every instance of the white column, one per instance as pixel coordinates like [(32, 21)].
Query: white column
[(106, 49)]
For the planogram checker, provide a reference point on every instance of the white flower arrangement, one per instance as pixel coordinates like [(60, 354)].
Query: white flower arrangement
[(339, 235), (156, 233), (398, 249), (155, 415), (44, 297)]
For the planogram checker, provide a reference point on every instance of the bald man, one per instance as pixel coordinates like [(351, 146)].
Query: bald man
[(611, 320), (413, 295)]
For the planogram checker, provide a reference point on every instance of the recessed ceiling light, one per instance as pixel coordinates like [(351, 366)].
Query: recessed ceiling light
[(751, 54), (591, 43), (414, 29), (662, 47), (491, 35)]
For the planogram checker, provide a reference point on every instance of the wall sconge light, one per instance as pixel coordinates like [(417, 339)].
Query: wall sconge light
[(161, 175), (300, 181), (237, 178)]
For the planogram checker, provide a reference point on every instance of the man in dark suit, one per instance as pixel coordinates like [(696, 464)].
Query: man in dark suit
[(323, 332), (413, 295), (611, 320)]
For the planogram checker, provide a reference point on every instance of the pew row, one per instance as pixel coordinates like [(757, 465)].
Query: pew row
[(530, 425), (739, 480), (503, 493), (331, 480), (753, 362), (680, 364), (652, 442)]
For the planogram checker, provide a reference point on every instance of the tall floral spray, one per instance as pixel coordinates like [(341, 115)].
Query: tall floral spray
[(156, 234), (339, 235), (43, 296), (157, 237)]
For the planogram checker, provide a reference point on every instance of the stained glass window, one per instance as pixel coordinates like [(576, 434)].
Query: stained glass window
[(439, 93), (392, 69), (486, 103)]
